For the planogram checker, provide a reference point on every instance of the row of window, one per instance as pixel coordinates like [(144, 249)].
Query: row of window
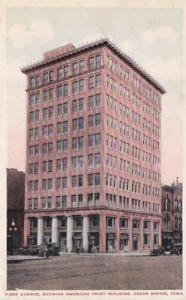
[(94, 140), (133, 79), (61, 201), (77, 200), (77, 104), (94, 160), (117, 107), (65, 71), (76, 181), (63, 90), (134, 204), (133, 186)]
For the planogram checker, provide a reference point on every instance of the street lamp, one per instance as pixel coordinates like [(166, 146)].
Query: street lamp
[(13, 230)]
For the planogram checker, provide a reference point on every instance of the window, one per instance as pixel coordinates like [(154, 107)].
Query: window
[(94, 139), (62, 127), (61, 202), (81, 66), (32, 203), (94, 101), (77, 222), (77, 86), (62, 146), (75, 68), (78, 67), (33, 168), (110, 222), (62, 91), (146, 224), (62, 72), (77, 105), (34, 133), (97, 179), (94, 120), (32, 185), (61, 164), (94, 62), (61, 182), (90, 179), (62, 109), (47, 166), (77, 181), (136, 224), (46, 202), (77, 162), (47, 184), (93, 199), (78, 123), (94, 160), (47, 148), (94, 81), (34, 99), (146, 239), (123, 223), (48, 130), (35, 81), (48, 95), (77, 143)]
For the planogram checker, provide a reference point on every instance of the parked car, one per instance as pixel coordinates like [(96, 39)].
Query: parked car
[(177, 249), (157, 251), (34, 250), (168, 250), (53, 249)]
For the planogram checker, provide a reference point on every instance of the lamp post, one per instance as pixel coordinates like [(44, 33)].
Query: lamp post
[(13, 230)]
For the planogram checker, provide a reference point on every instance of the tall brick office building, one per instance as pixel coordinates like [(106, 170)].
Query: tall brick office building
[(93, 151)]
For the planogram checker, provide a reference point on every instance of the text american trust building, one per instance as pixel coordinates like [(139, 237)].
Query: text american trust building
[(93, 151)]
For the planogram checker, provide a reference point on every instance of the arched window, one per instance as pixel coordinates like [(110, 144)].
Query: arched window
[(180, 205), (166, 222), (176, 203), (176, 222), (166, 204), (180, 223)]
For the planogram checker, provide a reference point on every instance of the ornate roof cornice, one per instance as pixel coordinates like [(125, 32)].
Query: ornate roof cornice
[(102, 42)]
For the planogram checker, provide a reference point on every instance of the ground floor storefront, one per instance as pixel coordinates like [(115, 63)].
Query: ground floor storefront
[(94, 231), (170, 238)]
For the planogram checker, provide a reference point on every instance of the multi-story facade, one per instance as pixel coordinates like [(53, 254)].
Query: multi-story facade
[(172, 213), (15, 208), (93, 151)]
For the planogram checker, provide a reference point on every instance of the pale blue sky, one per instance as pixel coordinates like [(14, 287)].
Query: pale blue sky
[(153, 37)]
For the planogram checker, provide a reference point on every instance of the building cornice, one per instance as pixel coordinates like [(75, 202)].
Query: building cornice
[(103, 42)]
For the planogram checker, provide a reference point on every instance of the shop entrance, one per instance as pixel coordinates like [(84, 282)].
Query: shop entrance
[(136, 243), (124, 239), (93, 242), (77, 242), (110, 242), (62, 242)]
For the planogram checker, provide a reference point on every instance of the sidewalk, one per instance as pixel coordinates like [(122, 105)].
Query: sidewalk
[(108, 254), (19, 258)]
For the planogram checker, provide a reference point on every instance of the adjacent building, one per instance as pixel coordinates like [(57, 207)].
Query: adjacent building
[(15, 208), (172, 213), (93, 151)]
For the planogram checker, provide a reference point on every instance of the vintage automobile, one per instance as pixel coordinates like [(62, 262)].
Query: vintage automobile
[(177, 249), (168, 249), (157, 251)]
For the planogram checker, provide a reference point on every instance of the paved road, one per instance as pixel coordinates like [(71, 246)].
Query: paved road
[(77, 272)]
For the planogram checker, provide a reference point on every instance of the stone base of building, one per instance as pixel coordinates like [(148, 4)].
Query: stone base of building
[(94, 231)]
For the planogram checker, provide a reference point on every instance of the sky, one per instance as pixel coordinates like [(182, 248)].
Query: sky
[(153, 37)]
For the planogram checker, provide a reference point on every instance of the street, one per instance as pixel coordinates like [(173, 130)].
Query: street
[(101, 272)]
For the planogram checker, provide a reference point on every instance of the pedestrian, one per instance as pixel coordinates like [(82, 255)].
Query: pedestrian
[(78, 249)]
